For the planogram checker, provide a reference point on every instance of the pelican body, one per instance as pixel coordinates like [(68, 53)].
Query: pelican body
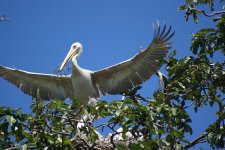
[(84, 84), (83, 87)]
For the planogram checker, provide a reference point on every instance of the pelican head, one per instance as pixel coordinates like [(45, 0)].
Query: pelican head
[(75, 51)]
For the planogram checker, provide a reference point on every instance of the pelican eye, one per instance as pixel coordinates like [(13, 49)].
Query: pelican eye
[(74, 46)]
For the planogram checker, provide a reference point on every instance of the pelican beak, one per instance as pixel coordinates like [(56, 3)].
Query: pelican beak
[(73, 51)]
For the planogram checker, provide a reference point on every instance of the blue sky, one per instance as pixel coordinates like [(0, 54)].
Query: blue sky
[(40, 33)]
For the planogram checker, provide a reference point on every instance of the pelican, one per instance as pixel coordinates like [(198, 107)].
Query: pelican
[(84, 84)]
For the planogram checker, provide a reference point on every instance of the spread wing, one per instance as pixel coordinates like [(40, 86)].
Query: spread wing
[(44, 86), (136, 70)]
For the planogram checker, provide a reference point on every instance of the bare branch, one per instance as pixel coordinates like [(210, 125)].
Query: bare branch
[(112, 141), (196, 141), (18, 147), (209, 15), (213, 14), (105, 124), (85, 142), (189, 105)]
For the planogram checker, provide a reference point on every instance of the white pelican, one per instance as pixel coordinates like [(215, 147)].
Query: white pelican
[(84, 84)]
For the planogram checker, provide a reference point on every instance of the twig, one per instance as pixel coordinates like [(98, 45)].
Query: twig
[(52, 130), (112, 128), (196, 141), (18, 147), (85, 142), (111, 140), (135, 133), (209, 15), (189, 105), (213, 14), (92, 147), (105, 124), (11, 148)]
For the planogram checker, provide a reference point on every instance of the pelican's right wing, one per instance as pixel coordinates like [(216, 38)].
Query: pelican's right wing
[(44, 86)]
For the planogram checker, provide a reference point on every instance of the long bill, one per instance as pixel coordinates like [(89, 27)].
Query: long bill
[(72, 52)]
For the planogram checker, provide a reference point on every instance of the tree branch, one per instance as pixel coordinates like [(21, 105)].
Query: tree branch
[(209, 15), (18, 147), (196, 141)]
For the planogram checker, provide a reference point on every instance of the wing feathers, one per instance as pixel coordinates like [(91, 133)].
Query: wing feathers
[(135, 71), (45, 86)]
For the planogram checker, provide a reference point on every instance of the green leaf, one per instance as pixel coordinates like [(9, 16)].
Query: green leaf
[(10, 120), (68, 142), (25, 147), (158, 109), (206, 31), (45, 148), (181, 85), (74, 134), (182, 7), (188, 129), (169, 138), (173, 53), (177, 133), (118, 112), (165, 142), (195, 17), (59, 139), (174, 111), (94, 136)]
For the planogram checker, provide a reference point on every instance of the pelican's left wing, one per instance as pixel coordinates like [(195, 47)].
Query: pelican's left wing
[(44, 86), (134, 71)]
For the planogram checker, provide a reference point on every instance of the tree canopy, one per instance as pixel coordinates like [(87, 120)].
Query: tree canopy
[(159, 122)]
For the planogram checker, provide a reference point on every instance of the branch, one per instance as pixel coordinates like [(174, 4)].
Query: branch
[(54, 131), (18, 147), (196, 141), (209, 15), (189, 105), (213, 14), (85, 142), (112, 141), (105, 124)]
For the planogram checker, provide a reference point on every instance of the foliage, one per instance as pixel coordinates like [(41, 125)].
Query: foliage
[(160, 122)]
